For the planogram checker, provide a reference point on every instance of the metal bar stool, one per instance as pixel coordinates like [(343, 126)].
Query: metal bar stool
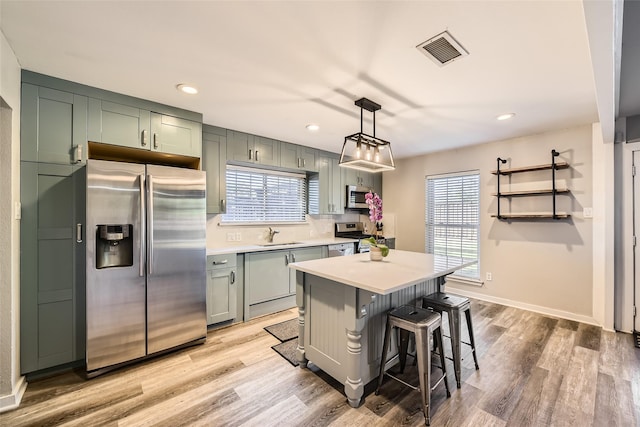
[(423, 323), (454, 305)]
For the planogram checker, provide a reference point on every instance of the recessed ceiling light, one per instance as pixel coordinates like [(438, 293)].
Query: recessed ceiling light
[(187, 89), (312, 127), (505, 116)]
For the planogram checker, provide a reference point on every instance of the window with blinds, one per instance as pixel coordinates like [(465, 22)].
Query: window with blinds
[(453, 220), (256, 195)]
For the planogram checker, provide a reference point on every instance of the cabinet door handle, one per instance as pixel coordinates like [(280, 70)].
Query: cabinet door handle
[(304, 163), (286, 259), (250, 154), (223, 206), (293, 258), (78, 154), (224, 261), (299, 162), (79, 233), (233, 277), (155, 140), (257, 156), (145, 138)]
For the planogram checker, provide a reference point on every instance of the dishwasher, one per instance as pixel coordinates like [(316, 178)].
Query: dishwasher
[(341, 249)]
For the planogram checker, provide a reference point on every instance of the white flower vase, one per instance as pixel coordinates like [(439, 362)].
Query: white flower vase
[(375, 253)]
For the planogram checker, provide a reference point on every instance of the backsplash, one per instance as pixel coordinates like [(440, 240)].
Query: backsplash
[(315, 227)]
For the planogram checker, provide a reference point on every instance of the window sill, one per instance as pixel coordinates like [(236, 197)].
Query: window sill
[(464, 280), (260, 224)]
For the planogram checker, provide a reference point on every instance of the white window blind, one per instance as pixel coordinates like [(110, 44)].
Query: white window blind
[(453, 220), (257, 195)]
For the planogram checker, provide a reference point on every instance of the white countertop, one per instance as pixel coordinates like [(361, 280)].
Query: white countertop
[(399, 270), (275, 246)]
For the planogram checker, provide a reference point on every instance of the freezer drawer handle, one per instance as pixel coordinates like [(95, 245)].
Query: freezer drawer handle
[(79, 233), (233, 277)]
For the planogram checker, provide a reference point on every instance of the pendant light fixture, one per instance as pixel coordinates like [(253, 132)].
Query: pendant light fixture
[(366, 152)]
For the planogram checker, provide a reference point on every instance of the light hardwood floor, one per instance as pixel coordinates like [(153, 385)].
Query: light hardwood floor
[(534, 371)]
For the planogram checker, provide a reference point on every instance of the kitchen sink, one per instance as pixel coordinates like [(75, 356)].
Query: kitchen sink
[(280, 243)]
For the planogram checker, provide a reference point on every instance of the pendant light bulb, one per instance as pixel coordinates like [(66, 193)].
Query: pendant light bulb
[(358, 150), (376, 157)]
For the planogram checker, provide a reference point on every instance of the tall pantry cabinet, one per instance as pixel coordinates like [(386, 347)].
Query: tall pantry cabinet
[(52, 259)]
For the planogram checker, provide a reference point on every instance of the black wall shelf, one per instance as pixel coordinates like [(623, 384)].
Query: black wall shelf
[(553, 191)]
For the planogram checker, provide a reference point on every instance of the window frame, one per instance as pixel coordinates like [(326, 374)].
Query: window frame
[(465, 274), (264, 205)]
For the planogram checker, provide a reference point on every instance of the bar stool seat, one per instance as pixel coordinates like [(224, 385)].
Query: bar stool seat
[(423, 324), (454, 306)]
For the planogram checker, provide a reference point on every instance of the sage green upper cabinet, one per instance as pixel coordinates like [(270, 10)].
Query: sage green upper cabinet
[(330, 186), (247, 148), (295, 156), (118, 124), (173, 135), (53, 126), (52, 265), (214, 159), (127, 126)]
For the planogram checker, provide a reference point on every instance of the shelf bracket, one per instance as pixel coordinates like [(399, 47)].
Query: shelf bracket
[(499, 161), (554, 154)]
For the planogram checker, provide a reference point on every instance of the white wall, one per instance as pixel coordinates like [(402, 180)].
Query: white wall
[(12, 385), (539, 265)]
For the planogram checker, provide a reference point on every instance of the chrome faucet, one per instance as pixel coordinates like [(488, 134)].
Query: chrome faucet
[(272, 233)]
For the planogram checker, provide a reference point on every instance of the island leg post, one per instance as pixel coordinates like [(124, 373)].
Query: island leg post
[(356, 319), (302, 358)]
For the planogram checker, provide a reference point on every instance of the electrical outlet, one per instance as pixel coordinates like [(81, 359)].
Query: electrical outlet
[(489, 277), (587, 212), (238, 237), (231, 237)]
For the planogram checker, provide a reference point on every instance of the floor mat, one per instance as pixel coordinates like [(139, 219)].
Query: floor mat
[(284, 331), (287, 350)]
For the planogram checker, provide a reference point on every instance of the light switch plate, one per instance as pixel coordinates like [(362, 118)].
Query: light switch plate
[(18, 210), (587, 212)]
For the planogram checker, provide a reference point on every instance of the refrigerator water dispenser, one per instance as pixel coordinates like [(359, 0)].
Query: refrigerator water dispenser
[(114, 245)]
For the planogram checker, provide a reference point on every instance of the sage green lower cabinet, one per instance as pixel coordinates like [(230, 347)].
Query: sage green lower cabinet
[(222, 288), (52, 264), (53, 126), (214, 160), (269, 283)]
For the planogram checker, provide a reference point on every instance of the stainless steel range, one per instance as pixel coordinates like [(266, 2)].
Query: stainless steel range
[(353, 230)]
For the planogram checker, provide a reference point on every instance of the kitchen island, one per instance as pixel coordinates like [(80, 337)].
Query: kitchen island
[(342, 305)]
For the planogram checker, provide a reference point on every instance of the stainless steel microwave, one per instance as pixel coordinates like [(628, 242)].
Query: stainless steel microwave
[(355, 197)]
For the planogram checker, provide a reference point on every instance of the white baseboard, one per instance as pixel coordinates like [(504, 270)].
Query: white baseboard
[(12, 401), (524, 306)]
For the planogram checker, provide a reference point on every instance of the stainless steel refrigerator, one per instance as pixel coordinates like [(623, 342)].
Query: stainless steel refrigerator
[(146, 261)]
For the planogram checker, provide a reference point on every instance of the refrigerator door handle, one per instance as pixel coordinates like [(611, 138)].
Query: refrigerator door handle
[(142, 229), (79, 233), (150, 223)]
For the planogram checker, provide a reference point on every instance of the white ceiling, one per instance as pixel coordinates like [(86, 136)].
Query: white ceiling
[(270, 68)]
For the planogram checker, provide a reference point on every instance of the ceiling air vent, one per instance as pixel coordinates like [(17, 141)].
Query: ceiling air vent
[(442, 49)]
